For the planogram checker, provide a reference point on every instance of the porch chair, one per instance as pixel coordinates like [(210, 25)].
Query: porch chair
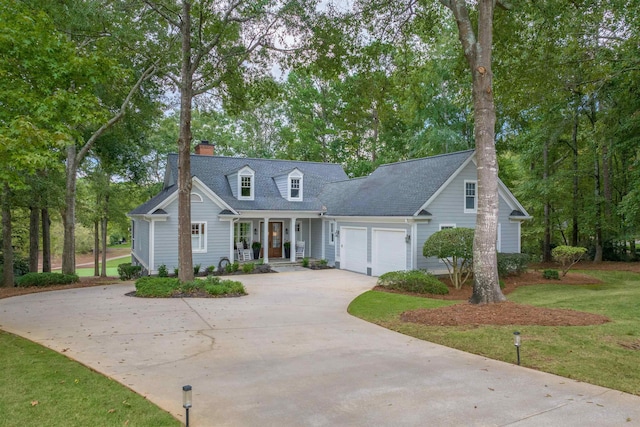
[(300, 249), (243, 254)]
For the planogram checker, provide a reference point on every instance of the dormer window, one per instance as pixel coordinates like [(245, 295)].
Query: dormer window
[(246, 184), (294, 186)]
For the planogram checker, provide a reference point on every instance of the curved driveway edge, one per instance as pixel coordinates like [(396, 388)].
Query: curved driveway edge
[(290, 355)]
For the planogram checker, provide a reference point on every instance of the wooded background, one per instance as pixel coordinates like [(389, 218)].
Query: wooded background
[(91, 97)]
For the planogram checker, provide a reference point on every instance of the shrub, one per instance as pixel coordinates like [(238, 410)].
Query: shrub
[(454, 246), (156, 287), (211, 269), (176, 271), (20, 264), (567, 256), (196, 269), (164, 287), (323, 262), (413, 281), (215, 286), (551, 274), (232, 268), (512, 264), (163, 271), (47, 279), (248, 267), (305, 262), (128, 271)]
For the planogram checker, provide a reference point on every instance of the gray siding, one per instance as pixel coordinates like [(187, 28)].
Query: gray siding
[(316, 239), (281, 183), (140, 250), (448, 209), (329, 248), (217, 234)]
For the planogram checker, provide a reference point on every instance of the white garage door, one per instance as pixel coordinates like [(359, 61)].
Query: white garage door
[(389, 251), (353, 249)]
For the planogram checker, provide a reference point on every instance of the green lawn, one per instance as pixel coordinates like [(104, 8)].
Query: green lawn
[(606, 355), (39, 387), (112, 267)]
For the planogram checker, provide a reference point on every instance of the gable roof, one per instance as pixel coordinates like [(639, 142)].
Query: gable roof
[(394, 189), (212, 171)]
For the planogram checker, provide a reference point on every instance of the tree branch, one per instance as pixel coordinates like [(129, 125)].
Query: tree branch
[(161, 11), (150, 71), (465, 29)]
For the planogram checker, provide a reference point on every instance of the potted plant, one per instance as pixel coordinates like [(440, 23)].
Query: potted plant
[(256, 249), (287, 249)]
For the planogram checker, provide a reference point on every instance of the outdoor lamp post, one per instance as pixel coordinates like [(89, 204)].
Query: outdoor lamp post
[(186, 401), (516, 342)]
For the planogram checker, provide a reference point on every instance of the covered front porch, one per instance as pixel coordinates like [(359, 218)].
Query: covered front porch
[(275, 238)]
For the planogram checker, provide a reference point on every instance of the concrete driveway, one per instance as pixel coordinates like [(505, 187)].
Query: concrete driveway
[(290, 355)]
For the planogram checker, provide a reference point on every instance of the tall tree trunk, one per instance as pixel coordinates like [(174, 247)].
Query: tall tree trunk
[(105, 219), (34, 239), (478, 51), (598, 205), (7, 247), (103, 269), (96, 247), (185, 253), (376, 125), (46, 241), (576, 195), (69, 213), (546, 244)]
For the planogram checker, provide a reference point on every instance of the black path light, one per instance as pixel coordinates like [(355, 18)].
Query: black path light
[(186, 401), (516, 342)]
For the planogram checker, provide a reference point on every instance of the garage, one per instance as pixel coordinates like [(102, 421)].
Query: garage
[(353, 249), (389, 251)]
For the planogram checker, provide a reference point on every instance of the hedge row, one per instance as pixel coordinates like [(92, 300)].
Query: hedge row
[(47, 279)]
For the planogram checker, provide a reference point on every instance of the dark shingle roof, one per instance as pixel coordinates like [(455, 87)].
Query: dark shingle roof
[(213, 171), (145, 208), (395, 189)]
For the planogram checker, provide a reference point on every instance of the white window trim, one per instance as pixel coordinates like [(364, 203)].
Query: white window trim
[(196, 198), (249, 237), (475, 198), (247, 173), (295, 175), (203, 238)]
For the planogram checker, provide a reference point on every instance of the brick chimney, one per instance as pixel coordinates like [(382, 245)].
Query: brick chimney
[(205, 149)]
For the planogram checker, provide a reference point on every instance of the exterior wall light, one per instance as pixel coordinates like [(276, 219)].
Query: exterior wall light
[(407, 238), (186, 401), (516, 342)]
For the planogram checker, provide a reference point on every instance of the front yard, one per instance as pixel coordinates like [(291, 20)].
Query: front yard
[(605, 354)]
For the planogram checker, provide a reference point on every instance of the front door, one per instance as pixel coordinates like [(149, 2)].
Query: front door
[(275, 240)]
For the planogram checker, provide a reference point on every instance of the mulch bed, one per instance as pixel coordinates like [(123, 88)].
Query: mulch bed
[(505, 313)]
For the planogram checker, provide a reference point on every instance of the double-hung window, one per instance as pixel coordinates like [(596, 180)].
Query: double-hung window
[(245, 186), (295, 188), (198, 237), (470, 197)]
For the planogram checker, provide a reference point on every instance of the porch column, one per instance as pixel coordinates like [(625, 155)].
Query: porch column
[(232, 252), (265, 241), (292, 234)]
